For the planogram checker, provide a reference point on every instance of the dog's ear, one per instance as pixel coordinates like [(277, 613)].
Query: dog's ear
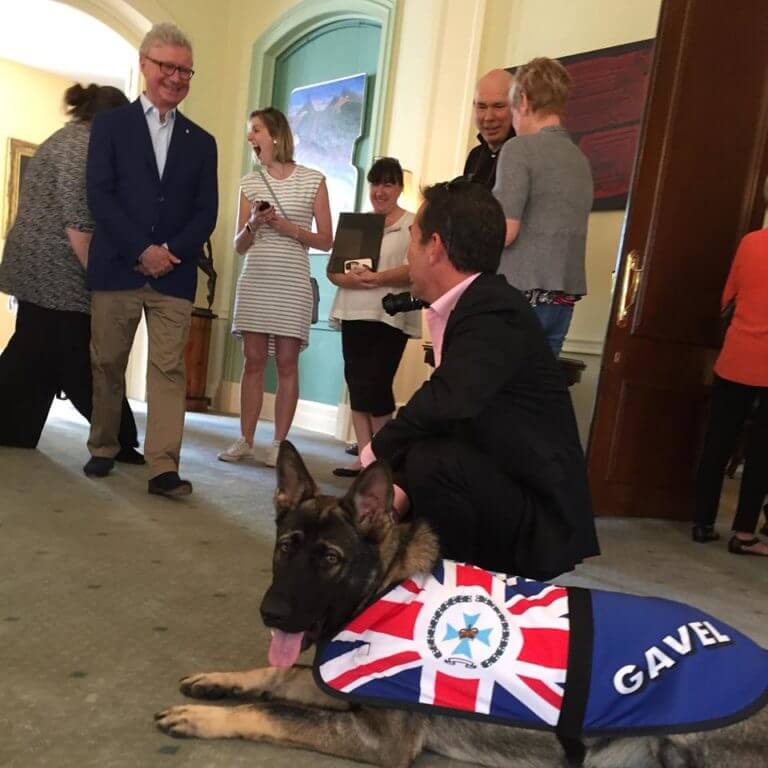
[(294, 483), (371, 497)]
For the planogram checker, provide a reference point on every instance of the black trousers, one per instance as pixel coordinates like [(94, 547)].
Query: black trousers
[(481, 514), (48, 354), (372, 352), (731, 405)]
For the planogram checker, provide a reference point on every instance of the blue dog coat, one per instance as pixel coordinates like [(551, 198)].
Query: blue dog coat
[(477, 644)]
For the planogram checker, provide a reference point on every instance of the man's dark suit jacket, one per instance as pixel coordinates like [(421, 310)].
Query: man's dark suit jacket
[(499, 388), (134, 208)]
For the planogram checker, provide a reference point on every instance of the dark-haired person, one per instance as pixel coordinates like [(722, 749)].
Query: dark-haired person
[(43, 266), (152, 189), (544, 185), (372, 341), (487, 449), (273, 302)]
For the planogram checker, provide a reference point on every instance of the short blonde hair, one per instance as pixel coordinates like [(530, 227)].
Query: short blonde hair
[(164, 34), (279, 129), (545, 82)]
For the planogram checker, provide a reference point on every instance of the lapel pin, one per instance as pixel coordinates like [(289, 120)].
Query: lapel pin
[(187, 130)]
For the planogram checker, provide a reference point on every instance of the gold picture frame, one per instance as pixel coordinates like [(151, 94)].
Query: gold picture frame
[(18, 155)]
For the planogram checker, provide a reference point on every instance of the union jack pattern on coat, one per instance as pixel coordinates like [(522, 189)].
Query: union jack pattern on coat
[(471, 640), (486, 645)]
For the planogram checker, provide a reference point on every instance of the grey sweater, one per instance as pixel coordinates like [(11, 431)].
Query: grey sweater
[(544, 180)]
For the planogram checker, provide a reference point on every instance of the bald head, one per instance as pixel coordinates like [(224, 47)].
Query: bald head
[(493, 116)]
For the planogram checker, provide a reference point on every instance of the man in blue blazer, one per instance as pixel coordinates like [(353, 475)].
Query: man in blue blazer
[(152, 189)]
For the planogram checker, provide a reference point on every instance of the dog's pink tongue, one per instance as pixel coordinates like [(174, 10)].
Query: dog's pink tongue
[(285, 647)]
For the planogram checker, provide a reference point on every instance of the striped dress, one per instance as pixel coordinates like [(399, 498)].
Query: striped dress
[(273, 292)]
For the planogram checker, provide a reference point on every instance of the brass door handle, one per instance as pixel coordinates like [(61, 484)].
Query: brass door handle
[(629, 286)]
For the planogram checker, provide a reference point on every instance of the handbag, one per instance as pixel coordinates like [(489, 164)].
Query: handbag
[(313, 284)]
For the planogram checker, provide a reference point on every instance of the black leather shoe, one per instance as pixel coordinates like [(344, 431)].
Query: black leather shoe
[(98, 466), (169, 484), (352, 450), (701, 534), (128, 455), (346, 472)]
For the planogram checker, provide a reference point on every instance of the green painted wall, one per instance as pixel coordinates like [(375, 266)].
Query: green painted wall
[(338, 49)]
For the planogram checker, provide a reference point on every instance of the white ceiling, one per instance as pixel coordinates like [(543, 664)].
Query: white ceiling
[(58, 38)]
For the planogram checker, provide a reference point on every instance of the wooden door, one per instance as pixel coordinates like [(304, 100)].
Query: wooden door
[(696, 190)]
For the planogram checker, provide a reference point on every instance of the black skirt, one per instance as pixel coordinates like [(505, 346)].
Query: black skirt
[(372, 352)]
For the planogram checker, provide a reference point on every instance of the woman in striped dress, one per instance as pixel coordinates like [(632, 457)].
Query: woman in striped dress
[(273, 303)]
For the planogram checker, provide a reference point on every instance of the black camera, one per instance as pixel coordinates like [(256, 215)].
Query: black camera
[(394, 303)]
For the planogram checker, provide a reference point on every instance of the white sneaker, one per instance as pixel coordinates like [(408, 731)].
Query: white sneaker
[(270, 459), (238, 451)]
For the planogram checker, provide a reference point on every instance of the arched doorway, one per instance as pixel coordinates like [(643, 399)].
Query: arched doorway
[(303, 48)]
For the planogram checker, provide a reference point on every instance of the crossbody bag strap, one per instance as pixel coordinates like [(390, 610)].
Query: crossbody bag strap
[(272, 192)]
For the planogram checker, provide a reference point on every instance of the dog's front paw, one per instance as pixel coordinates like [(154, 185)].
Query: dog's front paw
[(196, 721), (211, 685)]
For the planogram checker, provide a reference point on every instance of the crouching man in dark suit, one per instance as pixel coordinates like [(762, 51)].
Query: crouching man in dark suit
[(152, 190), (487, 449)]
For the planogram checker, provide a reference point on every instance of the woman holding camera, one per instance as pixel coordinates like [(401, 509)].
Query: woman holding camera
[(273, 303), (373, 341)]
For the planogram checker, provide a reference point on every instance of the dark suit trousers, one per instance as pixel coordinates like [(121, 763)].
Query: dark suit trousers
[(480, 514), (48, 354), (731, 405)]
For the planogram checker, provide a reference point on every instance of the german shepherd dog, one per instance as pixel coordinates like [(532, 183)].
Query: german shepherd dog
[(332, 556)]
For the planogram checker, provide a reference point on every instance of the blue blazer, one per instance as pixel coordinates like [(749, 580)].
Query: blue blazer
[(134, 208)]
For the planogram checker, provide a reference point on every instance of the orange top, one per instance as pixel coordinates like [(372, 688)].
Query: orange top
[(744, 356)]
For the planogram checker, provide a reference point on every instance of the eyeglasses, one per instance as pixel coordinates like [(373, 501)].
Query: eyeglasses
[(185, 73)]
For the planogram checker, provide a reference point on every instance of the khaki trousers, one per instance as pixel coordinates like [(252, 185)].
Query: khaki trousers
[(114, 318)]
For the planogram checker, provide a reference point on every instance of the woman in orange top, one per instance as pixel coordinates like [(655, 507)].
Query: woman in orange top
[(741, 380)]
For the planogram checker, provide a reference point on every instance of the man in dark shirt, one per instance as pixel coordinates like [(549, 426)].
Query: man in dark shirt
[(493, 118)]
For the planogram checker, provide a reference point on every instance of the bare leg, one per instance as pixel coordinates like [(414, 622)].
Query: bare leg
[(361, 422), (377, 422), (287, 361), (252, 383)]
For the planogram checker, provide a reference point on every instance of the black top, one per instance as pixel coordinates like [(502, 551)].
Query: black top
[(481, 161)]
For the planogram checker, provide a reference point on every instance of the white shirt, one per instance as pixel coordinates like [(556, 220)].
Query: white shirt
[(358, 304), (160, 131)]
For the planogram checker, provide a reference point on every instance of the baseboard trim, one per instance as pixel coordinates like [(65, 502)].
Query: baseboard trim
[(315, 417), (583, 347)]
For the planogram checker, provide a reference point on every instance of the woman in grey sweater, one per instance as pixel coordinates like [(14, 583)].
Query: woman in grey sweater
[(43, 267)]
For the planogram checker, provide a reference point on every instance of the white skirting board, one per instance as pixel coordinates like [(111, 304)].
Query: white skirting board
[(316, 417)]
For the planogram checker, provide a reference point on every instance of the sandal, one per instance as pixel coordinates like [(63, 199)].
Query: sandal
[(737, 546)]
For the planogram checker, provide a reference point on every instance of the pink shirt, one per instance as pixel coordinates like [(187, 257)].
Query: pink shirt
[(438, 313), (437, 318)]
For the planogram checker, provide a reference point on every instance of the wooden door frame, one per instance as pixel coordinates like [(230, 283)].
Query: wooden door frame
[(654, 148)]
